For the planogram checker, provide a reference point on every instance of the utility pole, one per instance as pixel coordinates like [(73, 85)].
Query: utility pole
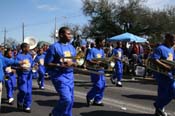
[(5, 32), (55, 29), (22, 32)]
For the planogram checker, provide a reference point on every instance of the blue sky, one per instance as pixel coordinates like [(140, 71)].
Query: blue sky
[(39, 15)]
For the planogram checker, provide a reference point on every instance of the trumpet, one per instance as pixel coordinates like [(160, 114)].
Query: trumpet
[(157, 68), (79, 60)]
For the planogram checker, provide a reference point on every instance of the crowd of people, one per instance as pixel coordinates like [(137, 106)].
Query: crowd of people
[(59, 60)]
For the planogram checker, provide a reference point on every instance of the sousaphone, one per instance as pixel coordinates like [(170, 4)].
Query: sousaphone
[(31, 41)]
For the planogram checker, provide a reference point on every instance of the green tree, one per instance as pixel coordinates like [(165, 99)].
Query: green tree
[(102, 15), (110, 18)]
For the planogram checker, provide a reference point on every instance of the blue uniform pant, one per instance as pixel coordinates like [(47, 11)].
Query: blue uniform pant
[(24, 96), (34, 75), (118, 73), (166, 91), (97, 90), (41, 78), (66, 93), (10, 84)]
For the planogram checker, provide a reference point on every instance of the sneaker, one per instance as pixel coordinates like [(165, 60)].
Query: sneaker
[(89, 102), (98, 103), (42, 87), (11, 101), (112, 80), (27, 110), (119, 84), (159, 112)]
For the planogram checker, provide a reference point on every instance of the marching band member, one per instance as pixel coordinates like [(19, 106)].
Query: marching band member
[(166, 83), (95, 95), (39, 60), (61, 72), (5, 62), (10, 78), (24, 96), (118, 73), (34, 72)]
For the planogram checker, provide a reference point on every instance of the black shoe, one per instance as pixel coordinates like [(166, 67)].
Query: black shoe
[(112, 80), (19, 106), (50, 114), (39, 83), (159, 112), (27, 110), (88, 101), (98, 104)]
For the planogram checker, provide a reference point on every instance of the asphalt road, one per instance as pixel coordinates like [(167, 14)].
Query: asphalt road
[(135, 98)]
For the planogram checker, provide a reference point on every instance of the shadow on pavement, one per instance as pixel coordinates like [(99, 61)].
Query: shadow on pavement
[(79, 105), (144, 97), (111, 113), (35, 88), (52, 103), (82, 81), (85, 84), (4, 101), (44, 93), (8, 109)]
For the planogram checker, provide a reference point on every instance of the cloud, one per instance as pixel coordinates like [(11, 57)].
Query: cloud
[(47, 7)]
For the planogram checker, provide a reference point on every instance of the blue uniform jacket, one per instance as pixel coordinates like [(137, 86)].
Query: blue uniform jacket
[(5, 62), (39, 59), (54, 54)]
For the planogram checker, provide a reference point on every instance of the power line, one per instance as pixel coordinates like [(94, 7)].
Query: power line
[(14, 28), (70, 17), (43, 23), (37, 24)]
